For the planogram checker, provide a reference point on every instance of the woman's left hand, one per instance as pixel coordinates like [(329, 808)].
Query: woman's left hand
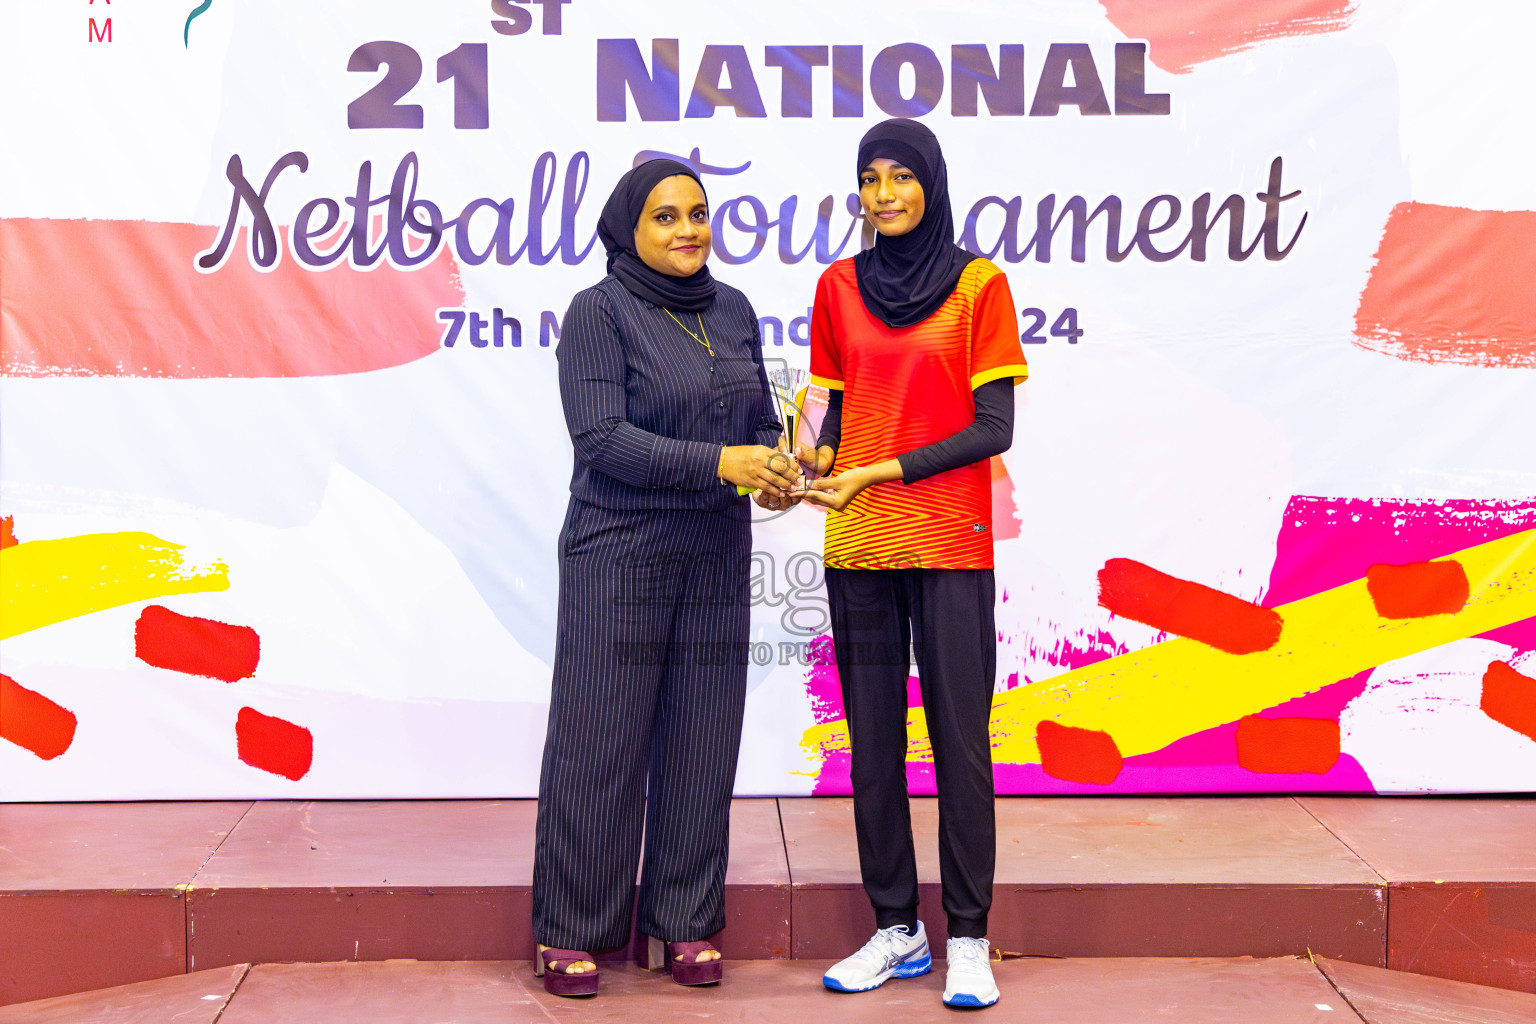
[(837, 492), (779, 502), (753, 465), (782, 503)]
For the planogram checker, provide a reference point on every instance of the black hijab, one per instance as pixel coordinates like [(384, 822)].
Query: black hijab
[(905, 278), (616, 229)]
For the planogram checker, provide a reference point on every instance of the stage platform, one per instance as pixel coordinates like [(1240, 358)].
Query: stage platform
[(1289, 990), (97, 895)]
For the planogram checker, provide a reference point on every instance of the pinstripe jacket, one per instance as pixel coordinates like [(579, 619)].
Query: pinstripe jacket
[(649, 408)]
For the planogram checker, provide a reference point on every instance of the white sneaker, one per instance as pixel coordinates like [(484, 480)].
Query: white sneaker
[(969, 982), (892, 953)]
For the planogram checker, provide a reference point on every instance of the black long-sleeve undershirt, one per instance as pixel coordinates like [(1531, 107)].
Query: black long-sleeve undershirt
[(991, 433)]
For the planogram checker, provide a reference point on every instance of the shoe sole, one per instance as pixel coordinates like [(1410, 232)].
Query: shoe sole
[(911, 969), (968, 1000)]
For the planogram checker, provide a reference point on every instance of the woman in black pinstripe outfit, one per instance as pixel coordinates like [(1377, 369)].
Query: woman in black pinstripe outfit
[(668, 407)]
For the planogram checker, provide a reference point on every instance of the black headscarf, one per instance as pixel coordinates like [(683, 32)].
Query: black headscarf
[(616, 229), (904, 279)]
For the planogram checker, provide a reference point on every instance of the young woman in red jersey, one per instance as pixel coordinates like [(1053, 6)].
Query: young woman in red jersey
[(917, 341)]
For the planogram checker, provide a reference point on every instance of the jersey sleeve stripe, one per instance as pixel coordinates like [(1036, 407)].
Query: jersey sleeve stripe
[(1019, 372)]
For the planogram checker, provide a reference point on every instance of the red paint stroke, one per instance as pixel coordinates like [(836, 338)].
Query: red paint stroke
[(30, 720), (1419, 589), (122, 299), (7, 537), (1005, 525), (1077, 755), (198, 647), (1282, 745), (274, 745), (1452, 286), (1136, 591), (1182, 34), (1509, 698)]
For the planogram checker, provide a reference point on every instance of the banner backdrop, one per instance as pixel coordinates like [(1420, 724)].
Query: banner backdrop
[(283, 459)]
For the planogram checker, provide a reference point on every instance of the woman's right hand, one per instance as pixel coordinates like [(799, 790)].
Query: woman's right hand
[(816, 460), (754, 465)]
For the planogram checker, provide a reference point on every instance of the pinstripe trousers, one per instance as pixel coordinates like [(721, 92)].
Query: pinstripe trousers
[(644, 725)]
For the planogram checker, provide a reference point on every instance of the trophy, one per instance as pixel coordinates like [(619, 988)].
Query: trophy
[(788, 385)]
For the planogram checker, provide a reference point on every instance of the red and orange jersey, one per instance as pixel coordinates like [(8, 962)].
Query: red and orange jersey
[(903, 388)]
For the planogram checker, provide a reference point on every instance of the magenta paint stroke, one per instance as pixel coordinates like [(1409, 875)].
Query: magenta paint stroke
[(1068, 651), (1195, 764), (1205, 762), (825, 691), (1327, 542), (1323, 543)]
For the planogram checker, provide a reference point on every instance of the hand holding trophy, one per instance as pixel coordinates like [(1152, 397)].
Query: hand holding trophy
[(789, 385)]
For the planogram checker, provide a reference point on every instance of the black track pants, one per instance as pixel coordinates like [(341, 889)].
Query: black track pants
[(947, 616)]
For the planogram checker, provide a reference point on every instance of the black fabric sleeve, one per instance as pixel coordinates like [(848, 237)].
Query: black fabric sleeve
[(832, 423), (991, 433)]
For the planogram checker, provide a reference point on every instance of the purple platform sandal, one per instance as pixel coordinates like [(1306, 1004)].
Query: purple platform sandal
[(551, 964), (689, 970)]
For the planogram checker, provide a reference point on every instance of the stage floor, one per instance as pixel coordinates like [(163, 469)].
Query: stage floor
[(96, 895), (1288, 990)]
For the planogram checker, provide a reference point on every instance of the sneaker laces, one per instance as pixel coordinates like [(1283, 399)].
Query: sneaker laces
[(880, 946), (968, 954)]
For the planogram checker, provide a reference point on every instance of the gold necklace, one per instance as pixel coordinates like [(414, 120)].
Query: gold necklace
[(702, 341)]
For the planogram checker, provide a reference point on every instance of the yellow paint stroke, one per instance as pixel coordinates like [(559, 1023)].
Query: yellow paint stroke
[(1149, 698), (48, 581)]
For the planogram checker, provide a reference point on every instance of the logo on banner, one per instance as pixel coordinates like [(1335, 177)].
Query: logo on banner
[(186, 31)]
